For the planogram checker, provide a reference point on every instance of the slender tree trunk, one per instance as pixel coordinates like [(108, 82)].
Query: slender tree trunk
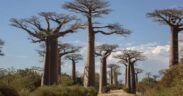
[(174, 47), (89, 71), (50, 76), (74, 71), (133, 80), (103, 75)]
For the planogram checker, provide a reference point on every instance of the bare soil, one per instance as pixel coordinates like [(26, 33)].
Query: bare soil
[(116, 93)]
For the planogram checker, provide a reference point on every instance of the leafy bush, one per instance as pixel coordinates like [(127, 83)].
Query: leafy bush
[(65, 79), (23, 81), (64, 91), (7, 91)]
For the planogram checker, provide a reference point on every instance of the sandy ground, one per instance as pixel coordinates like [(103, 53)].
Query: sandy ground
[(116, 93)]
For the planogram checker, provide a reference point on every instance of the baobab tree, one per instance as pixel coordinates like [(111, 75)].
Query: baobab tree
[(48, 32), (130, 57), (110, 66), (92, 9), (1, 46), (137, 72), (115, 74), (126, 73), (172, 18), (75, 59), (104, 52), (148, 74), (65, 49)]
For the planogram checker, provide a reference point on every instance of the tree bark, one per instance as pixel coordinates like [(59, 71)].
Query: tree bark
[(103, 77), (133, 80), (59, 66), (50, 76), (115, 79), (111, 76), (129, 78), (126, 76), (174, 47), (136, 77), (89, 71), (74, 71)]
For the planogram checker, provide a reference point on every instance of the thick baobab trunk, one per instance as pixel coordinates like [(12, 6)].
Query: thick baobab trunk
[(129, 78), (111, 76), (89, 71), (174, 47), (126, 76), (136, 77), (103, 75), (50, 76), (59, 66), (133, 80), (74, 71), (115, 78)]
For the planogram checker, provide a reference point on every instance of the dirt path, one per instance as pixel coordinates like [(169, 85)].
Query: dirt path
[(116, 93)]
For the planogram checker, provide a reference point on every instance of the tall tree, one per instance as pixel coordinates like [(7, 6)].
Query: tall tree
[(1, 46), (130, 57), (126, 73), (172, 18), (48, 32), (92, 9), (115, 74), (137, 72), (111, 66), (148, 74), (65, 49), (104, 52), (75, 59)]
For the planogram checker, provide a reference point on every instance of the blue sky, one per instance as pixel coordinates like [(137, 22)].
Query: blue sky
[(147, 35)]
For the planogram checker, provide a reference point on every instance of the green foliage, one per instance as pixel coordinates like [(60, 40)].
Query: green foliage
[(64, 91), (65, 80), (7, 91), (23, 81)]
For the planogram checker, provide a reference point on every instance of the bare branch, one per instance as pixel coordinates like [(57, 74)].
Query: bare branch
[(172, 17), (67, 49), (74, 57), (105, 50), (128, 56), (112, 29), (86, 7)]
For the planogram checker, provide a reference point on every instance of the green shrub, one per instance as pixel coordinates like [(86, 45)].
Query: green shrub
[(64, 91), (65, 79), (7, 91)]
